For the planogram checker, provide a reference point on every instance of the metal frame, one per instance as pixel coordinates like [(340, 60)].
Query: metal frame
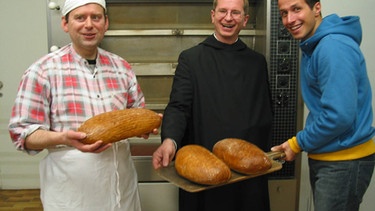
[(158, 1), (173, 32), (167, 1)]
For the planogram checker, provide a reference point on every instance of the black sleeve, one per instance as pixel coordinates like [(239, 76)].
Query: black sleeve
[(178, 110)]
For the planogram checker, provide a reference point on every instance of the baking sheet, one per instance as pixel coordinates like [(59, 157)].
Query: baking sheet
[(170, 174)]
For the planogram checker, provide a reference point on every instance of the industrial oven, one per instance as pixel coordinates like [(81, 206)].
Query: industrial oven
[(150, 34)]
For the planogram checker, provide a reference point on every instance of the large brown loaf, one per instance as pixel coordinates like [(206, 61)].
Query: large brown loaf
[(117, 125), (199, 165), (242, 156)]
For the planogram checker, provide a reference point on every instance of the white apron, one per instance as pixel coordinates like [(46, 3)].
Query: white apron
[(75, 181)]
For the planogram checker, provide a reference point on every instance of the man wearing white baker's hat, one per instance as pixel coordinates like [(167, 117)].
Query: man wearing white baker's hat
[(56, 95), (72, 4), (86, 32)]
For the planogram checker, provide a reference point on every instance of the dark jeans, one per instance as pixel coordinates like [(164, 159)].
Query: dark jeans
[(340, 185)]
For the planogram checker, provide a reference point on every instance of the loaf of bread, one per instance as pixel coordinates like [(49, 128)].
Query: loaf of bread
[(117, 125), (242, 156), (199, 165)]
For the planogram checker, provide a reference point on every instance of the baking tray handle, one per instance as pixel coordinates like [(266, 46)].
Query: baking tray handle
[(278, 155)]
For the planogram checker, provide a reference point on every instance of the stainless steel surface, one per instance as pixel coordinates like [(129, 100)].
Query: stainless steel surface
[(142, 150), (151, 185), (158, 196), (170, 32), (161, 32), (145, 171)]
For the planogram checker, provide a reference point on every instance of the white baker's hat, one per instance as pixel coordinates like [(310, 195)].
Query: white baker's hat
[(72, 4)]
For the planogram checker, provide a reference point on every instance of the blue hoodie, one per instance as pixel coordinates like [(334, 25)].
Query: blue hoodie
[(335, 88)]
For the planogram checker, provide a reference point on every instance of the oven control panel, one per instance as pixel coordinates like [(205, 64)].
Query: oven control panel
[(283, 74)]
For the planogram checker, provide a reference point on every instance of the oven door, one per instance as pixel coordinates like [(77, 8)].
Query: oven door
[(156, 194)]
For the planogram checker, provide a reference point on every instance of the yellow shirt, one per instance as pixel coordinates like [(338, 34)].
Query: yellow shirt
[(359, 151)]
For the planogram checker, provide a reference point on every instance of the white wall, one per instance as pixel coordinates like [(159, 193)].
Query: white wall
[(23, 39), (364, 9)]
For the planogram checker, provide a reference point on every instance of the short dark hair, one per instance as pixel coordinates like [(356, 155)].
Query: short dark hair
[(311, 3)]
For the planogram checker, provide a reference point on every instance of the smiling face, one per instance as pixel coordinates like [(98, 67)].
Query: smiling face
[(86, 26), (299, 18), (229, 18)]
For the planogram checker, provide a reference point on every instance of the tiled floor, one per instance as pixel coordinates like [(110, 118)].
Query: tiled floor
[(20, 200)]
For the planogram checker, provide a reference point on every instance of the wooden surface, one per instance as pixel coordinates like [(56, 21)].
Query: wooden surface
[(20, 200)]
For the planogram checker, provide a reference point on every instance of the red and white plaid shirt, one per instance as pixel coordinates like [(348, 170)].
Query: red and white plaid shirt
[(61, 90)]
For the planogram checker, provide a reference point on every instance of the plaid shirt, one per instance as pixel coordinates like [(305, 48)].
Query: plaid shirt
[(61, 90)]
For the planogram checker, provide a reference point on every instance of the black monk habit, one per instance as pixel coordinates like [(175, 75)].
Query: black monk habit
[(221, 91)]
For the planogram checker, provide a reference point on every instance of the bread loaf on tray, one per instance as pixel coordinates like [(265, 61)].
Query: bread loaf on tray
[(199, 165), (242, 156), (117, 125)]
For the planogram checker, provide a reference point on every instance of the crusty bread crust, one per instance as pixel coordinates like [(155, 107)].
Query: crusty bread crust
[(117, 125), (242, 156), (199, 165)]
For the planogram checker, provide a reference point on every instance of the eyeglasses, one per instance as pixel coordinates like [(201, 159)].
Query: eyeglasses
[(221, 13)]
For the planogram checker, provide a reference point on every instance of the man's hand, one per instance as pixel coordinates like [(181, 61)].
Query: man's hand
[(74, 140), (285, 147), (164, 154), (43, 139)]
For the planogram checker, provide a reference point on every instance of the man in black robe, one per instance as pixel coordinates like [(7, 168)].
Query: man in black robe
[(220, 90)]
